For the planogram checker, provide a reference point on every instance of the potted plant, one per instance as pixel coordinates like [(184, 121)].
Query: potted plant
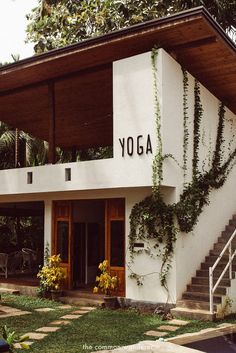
[(10, 338), (107, 284), (51, 276)]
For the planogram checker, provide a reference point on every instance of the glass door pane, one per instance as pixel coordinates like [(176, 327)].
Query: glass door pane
[(63, 240), (117, 243)]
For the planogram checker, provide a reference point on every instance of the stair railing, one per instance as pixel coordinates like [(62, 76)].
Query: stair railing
[(228, 266)]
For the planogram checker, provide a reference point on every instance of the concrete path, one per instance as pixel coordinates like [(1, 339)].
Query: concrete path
[(152, 347)]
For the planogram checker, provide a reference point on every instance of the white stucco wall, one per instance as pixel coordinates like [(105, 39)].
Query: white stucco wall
[(192, 248)]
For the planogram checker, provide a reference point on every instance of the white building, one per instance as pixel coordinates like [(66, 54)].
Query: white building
[(101, 93)]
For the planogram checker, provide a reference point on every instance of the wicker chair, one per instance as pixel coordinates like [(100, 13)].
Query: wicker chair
[(30, 259), (15, 261), (4, 264)]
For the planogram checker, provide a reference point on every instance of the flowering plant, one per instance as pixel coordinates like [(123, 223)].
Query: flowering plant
[(51, 275), (105, 282)]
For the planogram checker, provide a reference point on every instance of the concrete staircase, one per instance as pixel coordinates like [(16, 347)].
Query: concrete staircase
[(195, 300)]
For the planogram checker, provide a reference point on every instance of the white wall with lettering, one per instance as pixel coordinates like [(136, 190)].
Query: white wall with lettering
[(133, 109)]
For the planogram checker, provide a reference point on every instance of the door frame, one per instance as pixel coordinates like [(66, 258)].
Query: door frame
[(115, 211), (66, 206)]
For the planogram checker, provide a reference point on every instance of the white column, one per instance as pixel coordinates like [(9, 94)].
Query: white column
[(48, 224)]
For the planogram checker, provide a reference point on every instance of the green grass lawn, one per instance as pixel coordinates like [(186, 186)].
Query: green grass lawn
[(96, 329)]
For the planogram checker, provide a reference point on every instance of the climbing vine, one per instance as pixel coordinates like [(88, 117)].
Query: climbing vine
[(153, 219), (185, 111), (198, 112), (157, 166)]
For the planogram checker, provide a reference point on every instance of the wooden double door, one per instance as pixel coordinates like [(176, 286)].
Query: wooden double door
[(68, 241)]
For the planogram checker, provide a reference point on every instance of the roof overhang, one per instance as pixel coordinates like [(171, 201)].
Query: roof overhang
[(83, 109)]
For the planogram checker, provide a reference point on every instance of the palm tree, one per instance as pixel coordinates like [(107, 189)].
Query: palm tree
[(7, 146)]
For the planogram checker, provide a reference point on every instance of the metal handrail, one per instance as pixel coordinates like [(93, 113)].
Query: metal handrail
[(228, 266)]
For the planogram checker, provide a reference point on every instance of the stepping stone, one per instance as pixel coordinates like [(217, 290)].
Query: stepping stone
[(156, 333), (35, 335), (18, 346), (80, 312), (89, 308), (15, 313), (66, 306), (60, 322), (48, 329), (44, 310), (178, 322), (70, 316), (8, 309), (225, 324), (168, 328)]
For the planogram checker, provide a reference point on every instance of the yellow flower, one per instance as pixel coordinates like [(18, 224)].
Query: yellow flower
[(105, 281), (95, 289)]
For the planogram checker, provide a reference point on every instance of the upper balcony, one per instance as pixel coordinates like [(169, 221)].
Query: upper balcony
[(99, 93)]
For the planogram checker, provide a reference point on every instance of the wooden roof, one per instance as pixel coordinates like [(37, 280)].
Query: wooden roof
[(82, 75)]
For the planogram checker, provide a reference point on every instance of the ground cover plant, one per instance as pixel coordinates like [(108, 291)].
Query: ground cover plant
[(98, 329)]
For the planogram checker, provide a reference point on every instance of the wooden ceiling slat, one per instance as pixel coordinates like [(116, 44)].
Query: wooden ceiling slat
[(82, 75)]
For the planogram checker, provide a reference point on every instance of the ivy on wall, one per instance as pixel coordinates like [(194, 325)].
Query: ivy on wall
[(185, 123), (153, 219)]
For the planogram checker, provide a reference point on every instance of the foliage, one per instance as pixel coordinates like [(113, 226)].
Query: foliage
[(21, 232), (105, 282), (56, 23), (185, 123), (52, 274), (11, 338), (153, 219), (196, 194), (157, 166), (113, 327), (198, 113)]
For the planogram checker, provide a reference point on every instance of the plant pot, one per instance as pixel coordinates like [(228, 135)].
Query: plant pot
[(110, 302), (47, 295), (56, 294)]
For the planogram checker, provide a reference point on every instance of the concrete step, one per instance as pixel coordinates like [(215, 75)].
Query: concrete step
[(83, 294), (200, 288), (19, 289), (224, 259), (194, 304), (227, 233), (220, 266), (80, 301), (9, 291), (232, 222), (193, 314), (230, 227), (224, 240), (217, 273), (198, 296), (225, 282), (214, 252)]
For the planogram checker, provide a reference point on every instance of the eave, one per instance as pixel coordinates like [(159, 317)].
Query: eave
[(192, 37)]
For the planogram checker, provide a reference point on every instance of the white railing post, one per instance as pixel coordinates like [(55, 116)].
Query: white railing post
[(228, 267), (211, 290), (230, 261)]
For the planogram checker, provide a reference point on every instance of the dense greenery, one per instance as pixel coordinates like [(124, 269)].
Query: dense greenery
[(21, 232), (153, 219), (56, 23)]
